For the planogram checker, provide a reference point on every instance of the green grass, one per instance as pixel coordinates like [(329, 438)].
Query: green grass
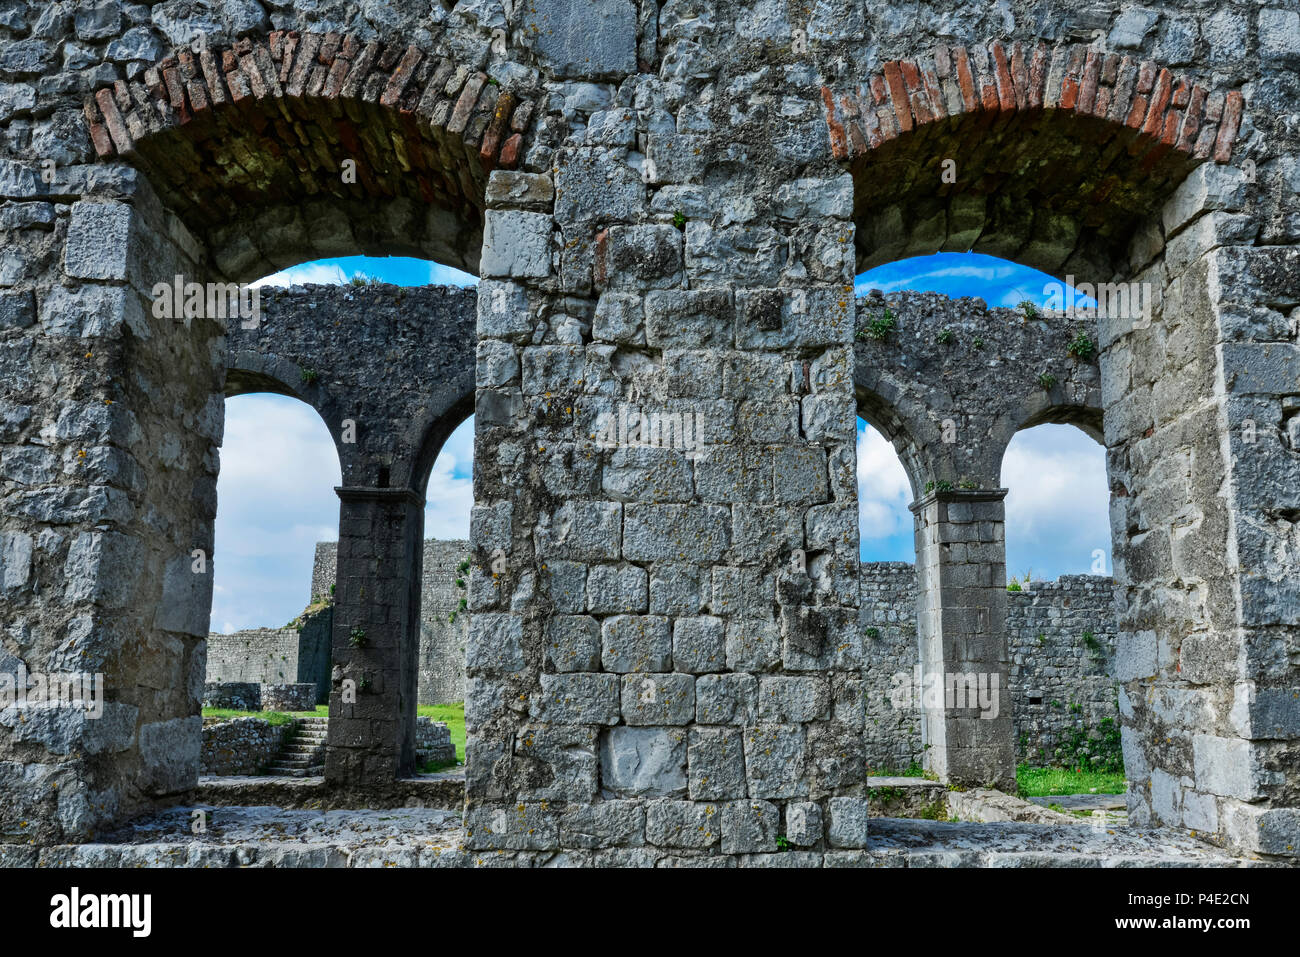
[(914, 770), (226, 714), (274, 718), (454, 716), (1040, 782)]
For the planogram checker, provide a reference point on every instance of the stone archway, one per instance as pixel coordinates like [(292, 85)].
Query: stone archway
[(680, 238), (1044, 154)]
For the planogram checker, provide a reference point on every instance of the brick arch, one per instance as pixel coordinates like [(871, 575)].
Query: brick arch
[(246, 144), (1059, 150)]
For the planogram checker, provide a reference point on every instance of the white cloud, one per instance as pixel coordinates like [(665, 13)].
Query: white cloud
[(324, 274), (1057, 506), (440, 275), (883, 490), (275, 500), (450, 495)]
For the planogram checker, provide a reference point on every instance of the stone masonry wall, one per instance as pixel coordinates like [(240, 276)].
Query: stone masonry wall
[(1058, 681), (889, 641), (241, 745), (260, 655), (666, 213), (324, 572), (300, 653), (442, 641)]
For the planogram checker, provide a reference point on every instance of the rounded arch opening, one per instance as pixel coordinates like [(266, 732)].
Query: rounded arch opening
[(1048, 155)]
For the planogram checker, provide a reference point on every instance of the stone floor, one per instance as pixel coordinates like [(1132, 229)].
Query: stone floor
[(431, 837), (1107, 808)]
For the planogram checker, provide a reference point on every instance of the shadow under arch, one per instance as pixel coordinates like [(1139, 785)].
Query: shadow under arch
[(290, 147), (1046, 155)]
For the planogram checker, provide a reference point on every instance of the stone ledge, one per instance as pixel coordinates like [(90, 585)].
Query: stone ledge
[(445, 790), (423, 837)]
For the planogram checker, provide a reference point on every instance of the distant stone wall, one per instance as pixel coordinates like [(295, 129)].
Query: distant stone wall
[(276, 656), (241, 745), (1059, 679), (255, 655), (324, 571), (442, 642), (234, 695), (888, 620), (433, 740), (294, 696)]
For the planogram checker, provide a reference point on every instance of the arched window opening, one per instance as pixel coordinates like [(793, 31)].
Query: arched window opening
[(444, 602), (269, 646), (269, 654), (1061, 624)]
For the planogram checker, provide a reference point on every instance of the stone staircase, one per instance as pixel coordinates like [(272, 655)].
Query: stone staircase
[(303, 752)]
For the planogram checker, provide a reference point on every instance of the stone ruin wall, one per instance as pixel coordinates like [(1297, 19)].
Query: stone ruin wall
[(1060, 681), (241, 745), (1046, 677), (296, 654), (668, 209)]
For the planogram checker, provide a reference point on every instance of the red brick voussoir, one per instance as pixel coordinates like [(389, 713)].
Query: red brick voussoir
[(1164, 111), (296, 106)]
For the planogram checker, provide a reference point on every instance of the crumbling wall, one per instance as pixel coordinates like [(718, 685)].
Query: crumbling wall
[(1061, 683), (666, 213)]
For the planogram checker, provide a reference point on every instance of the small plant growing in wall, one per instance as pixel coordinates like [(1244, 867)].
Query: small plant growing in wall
[(1029, 309), (1090, 642), (1046, 380), (873, 632), (941, 485), (879, 326), (1014, 585), (461, 570), (977, 342), (357, 637), (946, 336), (1042, 638), (679, 219), (1082, 348), (310, 375), (782, 843), (365, 684)]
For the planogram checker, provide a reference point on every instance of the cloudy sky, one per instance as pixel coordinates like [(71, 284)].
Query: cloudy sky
[(276, 495)]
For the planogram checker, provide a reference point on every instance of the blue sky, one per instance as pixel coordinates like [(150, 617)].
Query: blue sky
[(275, 494)]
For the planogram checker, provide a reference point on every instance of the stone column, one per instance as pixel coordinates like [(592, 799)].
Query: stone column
[(961, 621), (376, 636)]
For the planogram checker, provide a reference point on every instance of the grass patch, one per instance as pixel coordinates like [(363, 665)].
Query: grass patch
[(1040, 782), (914, 770), (273, 718), (454, 717)]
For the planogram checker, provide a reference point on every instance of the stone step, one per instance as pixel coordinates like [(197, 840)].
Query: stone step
[(296, 772)]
